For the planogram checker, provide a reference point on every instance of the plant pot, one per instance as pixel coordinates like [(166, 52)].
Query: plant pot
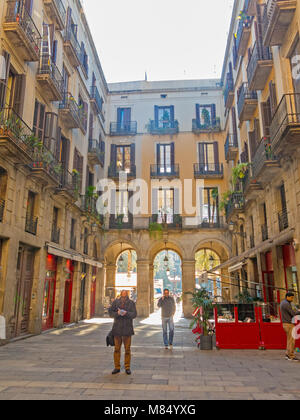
[(206, 342)]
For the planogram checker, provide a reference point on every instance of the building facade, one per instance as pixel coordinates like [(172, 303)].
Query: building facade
[(261, 89)]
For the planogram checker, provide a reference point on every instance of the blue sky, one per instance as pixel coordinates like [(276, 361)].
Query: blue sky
[(170, 39)]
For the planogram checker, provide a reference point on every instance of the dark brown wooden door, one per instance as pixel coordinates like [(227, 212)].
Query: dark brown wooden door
[(23, 290)]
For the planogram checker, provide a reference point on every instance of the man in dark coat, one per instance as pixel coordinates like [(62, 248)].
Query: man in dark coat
[(168, 309), (123, 310)]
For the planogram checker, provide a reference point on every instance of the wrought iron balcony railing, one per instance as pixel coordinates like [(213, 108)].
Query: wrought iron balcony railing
[(169, 220), (263, 154), (128, 128), (43, 160), (208, 169), (259, 54), (264, 232), (77, 117), (245, 94), (159, 170), (17, 13), (236, 202), (286, 115), (228, 90), (56, 10), (70, 37), (244, 25), (283, 221), (277, 16), (117, 172), (13, 128), (47, 67), (97, 149), (96, 98), (214, 125), (231, 143), (163, 127)]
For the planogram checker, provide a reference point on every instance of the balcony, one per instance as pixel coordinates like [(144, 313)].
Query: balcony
[(45, 167), (116, 173), (235, 205), (69, 185), (231, 147), (250, 7), (123, 129), (164, 171), (16, 138), (162, 128), (265, 163), (198, 128), (96, 100), (208, 170), (259, 67), (285, 125), (283, 221), (2, 207), (277, 18), (229, 91), (50, 79), (216, 222), (168, 221), (56, 11), (251, 187), (21, 31), (264, 232), (247, 102), (72, 47), (243, 35), (96, 152), (72, 115), (31, 224), (88, 204), (121, 221), (55, 235)]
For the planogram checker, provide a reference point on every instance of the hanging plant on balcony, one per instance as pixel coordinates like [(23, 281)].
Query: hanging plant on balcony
[(239, 172), (155, 230), (225, 199)]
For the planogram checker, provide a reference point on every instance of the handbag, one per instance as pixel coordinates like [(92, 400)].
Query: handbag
[(110, 341)]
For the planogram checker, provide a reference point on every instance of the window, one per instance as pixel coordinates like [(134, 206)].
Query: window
[(208, 155), (119, 206), (165, 158), (206, 115), (65, 76), (73, 237), (165, 206), (209, 206), (124, 118), (123, 162), (164, 116), (39, 120)]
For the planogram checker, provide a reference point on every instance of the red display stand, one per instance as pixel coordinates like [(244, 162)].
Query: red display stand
[(273, 336), (237, 334)]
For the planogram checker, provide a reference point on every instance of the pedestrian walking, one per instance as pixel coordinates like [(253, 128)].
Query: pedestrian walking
[(288, 314), (168, 309), (123, 310)]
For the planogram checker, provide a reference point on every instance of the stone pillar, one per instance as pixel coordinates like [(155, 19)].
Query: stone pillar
[(58, 319), (110, 279), (151, 285), (143, 288), (279, 277), (100, 291), (76, 292), (188, 285)]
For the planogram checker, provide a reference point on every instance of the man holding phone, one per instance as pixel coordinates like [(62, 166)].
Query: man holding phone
[(168, 309), (123, 310)]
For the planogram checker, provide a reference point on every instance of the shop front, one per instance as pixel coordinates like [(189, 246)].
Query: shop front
[(49, 292), (290, 270)]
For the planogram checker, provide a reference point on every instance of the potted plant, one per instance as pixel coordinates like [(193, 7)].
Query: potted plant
[(203, 305), (155, 230)]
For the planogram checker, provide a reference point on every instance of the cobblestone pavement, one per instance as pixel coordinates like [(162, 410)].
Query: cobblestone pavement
[(74, 363)]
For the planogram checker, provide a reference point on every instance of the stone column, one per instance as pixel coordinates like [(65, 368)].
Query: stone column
[(279, 277), (110, 278), (151, 285), (143, 288), (188, 285), (58, 319), (76, 292), (100, 291)]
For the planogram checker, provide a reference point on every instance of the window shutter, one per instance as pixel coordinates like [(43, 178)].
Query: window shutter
[(216, 153), (54, 52), (156, 115), (273, 97), (85, 114), (119, 115), (213, 115), (132, 155), (158, 154), (252, 142), (65, 152), (201, 153), (172, 154), (51, 131), (198, 112), (172, 113), (19, 94), (154, 201), (3, 82), (113, 155), (58, 144), (266, 117), (176, 204), (234, 125), (39, 120), (69, 17)]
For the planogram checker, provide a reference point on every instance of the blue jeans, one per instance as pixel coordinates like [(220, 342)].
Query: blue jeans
[(165, 323)]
